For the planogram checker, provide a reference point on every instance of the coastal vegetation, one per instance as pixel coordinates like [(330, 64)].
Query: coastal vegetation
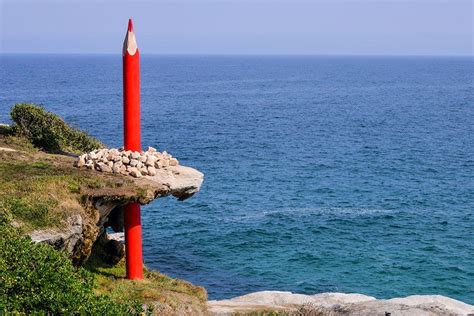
[(36, 278), (39, 191), (49, 132)]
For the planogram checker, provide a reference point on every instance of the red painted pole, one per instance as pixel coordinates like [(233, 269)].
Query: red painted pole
[(131, 91), (133, 242), (131, 120)]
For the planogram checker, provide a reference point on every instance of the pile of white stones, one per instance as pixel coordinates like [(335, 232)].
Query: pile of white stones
[(133, 163)]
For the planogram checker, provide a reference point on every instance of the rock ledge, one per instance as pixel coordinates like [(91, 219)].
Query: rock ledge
[(339, 304), (85, 234)]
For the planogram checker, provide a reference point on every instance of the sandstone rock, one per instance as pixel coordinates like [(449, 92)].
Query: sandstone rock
[(104, 204), (150, 161), (173, 162), (163, 163), (107, 250), (111, 160), (114, 151), (151, 171), (134, 172), (339, 304), (81, 162), (68, 239), (120, 237), (104, 168)]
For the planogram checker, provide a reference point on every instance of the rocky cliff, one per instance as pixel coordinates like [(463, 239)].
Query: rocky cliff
[(85, 202), (80, 236)]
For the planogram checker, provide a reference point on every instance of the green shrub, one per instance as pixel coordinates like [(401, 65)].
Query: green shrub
[(49, 132), (5, 130), (36, 279)]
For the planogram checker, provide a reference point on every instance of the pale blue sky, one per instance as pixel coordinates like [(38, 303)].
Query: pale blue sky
[(398, 27)]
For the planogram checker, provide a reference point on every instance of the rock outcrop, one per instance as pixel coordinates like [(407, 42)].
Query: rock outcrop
[(127, 162), (68, 239), (86, 233), (335, 304)]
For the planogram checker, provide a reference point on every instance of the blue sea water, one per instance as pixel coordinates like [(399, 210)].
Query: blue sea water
[(348, 174)]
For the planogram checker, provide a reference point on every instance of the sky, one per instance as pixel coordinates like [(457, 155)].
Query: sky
[(317, 27)]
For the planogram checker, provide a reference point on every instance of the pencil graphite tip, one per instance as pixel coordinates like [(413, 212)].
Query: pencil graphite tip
[(130, 25)]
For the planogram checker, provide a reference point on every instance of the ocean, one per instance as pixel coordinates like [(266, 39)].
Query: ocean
[(322, 174)]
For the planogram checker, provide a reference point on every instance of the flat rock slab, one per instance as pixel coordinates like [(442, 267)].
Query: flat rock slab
[(180, 181), (339, 304), (6, 149)]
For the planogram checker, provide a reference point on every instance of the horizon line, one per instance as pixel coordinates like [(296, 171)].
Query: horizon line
[(242, 54)]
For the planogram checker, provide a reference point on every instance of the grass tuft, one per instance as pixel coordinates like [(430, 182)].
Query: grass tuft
[(166, 294)]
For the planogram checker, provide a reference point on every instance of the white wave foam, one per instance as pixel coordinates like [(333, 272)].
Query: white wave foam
[(310, 211)]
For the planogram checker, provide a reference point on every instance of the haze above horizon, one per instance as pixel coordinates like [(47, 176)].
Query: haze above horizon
[(229, 27)]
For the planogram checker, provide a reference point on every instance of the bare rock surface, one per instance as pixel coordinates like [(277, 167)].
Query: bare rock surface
[(67, 239), (137, 164), (339, 304), (6, 149), (182, 182)]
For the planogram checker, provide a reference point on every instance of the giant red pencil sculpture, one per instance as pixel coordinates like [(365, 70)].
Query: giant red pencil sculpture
[(131, 120)]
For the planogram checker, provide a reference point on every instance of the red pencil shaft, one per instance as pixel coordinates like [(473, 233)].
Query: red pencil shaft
[(131, 105), (131, 120), (133, 241)]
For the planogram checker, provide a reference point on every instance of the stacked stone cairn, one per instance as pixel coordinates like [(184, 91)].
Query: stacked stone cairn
[(126, 162)]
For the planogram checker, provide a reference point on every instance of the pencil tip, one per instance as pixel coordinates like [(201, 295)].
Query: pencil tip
[(130, 42)]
